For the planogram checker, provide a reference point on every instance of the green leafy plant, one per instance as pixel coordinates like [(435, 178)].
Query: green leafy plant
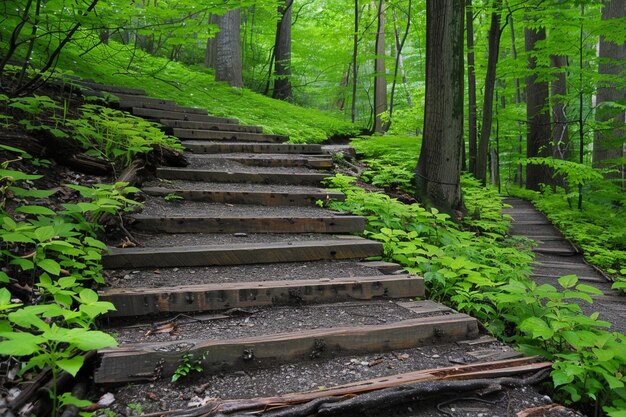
[(173, 197), (188, 365)]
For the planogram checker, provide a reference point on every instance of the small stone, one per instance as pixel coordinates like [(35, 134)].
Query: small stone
[(435, 356), (127, 276), (240, 234), (135, 272), (176, 270)]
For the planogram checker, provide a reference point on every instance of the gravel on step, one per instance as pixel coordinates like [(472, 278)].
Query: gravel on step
[(198, 159), (275, 320), (232, 187), (154, 278), (155, 206), (224, 165), (155, 240)]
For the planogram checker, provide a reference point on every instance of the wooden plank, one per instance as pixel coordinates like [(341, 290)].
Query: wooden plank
[(150, 361), (112, 88), (384, 267), (196, 134), (168, 106), (212, 297), (260, 161), (187, 124), (426, 307), (249, 224), (241, 254), (141, 101), (233, 147), (556, 251), (177, 115), (267, 177), (267, 198)]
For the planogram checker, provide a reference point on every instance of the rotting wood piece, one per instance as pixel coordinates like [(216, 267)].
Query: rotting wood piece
[(268, 177), (234, 147), (241, 254), (498, 369), (266, 198), (212, 297), (154, 360), (249, 224)]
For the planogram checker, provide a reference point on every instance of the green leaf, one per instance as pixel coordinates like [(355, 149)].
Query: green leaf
[(537, 328), (16, 237), (19, 344), (37, 210), (50, 266), (561, 378), (4, 277), (568, 281), (71, 365), (44, 233), (86, 340), (88, 296), (589, 289)]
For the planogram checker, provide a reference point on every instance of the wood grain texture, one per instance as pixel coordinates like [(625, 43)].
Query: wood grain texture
[(233, 147), (199, 134), (267, 177)]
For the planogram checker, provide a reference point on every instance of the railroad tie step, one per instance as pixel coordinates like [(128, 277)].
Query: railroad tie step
[(267, 197), (229, 127), (257, 177), (112, 88), (203, 147), (223, 296), (248, 224), (157, 114), (153, 360), (216, 135), (267, 160), (167, 106), (241, 254)]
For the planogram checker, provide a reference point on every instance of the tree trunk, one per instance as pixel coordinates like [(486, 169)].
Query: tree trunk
[(471, 88), (519, 173), (438, 170), (380, 80), (355, 68), (228, 40), (211, 46), (537, 115), (282, 53), (490, 83), (399, 64), (609, 142), (560, 134)]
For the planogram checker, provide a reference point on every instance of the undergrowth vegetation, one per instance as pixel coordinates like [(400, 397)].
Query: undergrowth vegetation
[(477, 269)]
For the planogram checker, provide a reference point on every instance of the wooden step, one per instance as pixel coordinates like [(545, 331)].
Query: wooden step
[(229, 127), (193, 134), (563, 251), (236, 147), (178, 115), (213, 297), (269, 160), (149, 361), (249, 224), (241, 254), (129, 101), (262, 197), (169, 106), (113, 88), (263, 177)]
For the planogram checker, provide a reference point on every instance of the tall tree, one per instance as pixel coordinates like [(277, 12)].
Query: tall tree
[(537, 113), (399, 65), (438, 170), (471, 88), (490, 83), (560, 133), (380, 77), (609, 142), (228, 49), (282, 53), (355, 68)]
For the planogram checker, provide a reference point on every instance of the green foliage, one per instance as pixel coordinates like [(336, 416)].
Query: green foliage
[(116, 135), (173, 197), (188, 365)]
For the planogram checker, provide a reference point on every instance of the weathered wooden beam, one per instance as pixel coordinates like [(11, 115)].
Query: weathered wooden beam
[(178, 115), (153, 360), (267, 177), (113, 88), (260, 161), (266, 198), (196, 134), (223, 296), (249, 224), (241, 254), (233, 147)]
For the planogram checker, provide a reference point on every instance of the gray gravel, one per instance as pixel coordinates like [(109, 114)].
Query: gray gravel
[(214, 186), (155, 278), (156, 206), (187, 239), (223, 165), (275, 320)]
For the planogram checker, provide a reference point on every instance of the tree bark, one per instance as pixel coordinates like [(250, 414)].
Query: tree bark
[(228, 46), (482, 153), (471, 89), (609, 143), (399, 63), (519, 173), (438, 170), (211, 46), (560, 134), (537, 115), (380, 80), (355, 68), (282, 53)]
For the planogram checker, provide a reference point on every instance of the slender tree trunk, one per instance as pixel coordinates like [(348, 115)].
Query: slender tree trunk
[(398, 64), (211, 45), (228, 40), (282, 53), (355, 68), (380, 79), (471, 89), (519, 175), (609, 143), (537, 114), (438, 170), (560, 133), (490, 83), (341, 100)]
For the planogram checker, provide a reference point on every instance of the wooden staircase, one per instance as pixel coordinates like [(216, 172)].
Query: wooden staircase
[(244, 234)]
